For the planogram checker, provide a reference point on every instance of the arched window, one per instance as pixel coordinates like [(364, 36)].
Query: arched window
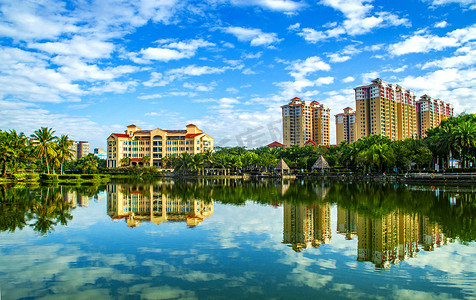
[(157, 137)]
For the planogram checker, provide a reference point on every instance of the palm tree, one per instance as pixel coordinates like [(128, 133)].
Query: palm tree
[(125, 161), (13, 150), (45, 146), (145, 160), (63, 150)]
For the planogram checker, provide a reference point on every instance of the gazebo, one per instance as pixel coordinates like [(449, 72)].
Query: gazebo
[(282, 165), (321, 163)]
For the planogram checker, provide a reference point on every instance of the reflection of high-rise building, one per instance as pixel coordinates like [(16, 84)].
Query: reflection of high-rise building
[(346, 223), (76, 199), (150, 204), (431, 235), (387, 239), (306, 226)]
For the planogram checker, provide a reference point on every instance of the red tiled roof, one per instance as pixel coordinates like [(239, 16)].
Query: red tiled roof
[(120, 134), (191, 125), (132, 125), (136, 159), (348, 107), (295, 98), (275, 144), (193, 135), (310, 142)]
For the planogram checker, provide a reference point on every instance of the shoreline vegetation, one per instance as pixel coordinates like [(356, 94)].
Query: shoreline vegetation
[(447, 154)]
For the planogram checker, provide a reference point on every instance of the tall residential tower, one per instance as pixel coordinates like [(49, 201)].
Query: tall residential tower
[(304, 121), (385, 109), (430, 112), (345, 126)]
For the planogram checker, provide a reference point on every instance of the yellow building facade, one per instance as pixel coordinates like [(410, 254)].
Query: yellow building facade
[(136, 143), (345, 126), (430, 112), (304, 121), (385, 109), (150, 204)]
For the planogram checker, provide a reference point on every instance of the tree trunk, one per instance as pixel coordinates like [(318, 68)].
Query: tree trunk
[(47, 166), (4, 169)]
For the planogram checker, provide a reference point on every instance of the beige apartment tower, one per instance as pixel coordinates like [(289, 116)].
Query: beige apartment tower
[(136, 143), (345, 126), (385, 109), (304, 121), (430, 112)]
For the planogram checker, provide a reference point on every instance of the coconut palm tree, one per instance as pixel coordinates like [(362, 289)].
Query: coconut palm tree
[(145, 160), (125, 161), (45, 144), (63, 150)]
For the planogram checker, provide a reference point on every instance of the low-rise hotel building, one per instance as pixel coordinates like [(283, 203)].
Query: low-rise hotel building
[(137, 143), (430, 112)]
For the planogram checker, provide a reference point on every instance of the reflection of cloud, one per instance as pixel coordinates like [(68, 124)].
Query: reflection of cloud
[(302, 277), (145, 291), (416, 295)]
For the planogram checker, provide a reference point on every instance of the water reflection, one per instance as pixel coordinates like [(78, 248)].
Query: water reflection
[(152, 203), (41, 208), (256, 240)]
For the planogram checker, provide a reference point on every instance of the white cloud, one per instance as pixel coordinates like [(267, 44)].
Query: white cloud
[(77, 46), (199, 87), (335, 57), (324, 80), (170, 51), (287, 6), (255, 36), (300, 69), (467, 58), (450, 85), (423, 42), (441, 24), (357, 21), (464, 3), (348, 79), (159, 79), (30, 20)]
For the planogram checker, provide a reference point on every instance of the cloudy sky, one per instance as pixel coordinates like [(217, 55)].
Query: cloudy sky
[(88, 68)]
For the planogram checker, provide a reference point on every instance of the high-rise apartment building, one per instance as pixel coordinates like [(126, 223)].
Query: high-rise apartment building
[(345, 126), (385, 109), (136, 143), (430, 112), (304, 121), (82, 149)]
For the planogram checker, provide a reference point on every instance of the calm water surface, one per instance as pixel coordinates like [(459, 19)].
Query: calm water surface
[(232, 239)]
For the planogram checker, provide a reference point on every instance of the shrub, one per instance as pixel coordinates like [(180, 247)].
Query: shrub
[(90, 176), (49, 177), (70, 177)]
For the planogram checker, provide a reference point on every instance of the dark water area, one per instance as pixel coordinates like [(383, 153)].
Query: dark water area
[(232, 239)]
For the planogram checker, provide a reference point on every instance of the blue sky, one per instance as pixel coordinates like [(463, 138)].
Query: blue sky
[(88, 68)]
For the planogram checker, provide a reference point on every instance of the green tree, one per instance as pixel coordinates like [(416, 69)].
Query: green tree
[(64, 151), (88, 164), (45, 146)]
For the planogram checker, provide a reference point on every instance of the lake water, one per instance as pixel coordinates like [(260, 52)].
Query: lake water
[(227, 239)]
